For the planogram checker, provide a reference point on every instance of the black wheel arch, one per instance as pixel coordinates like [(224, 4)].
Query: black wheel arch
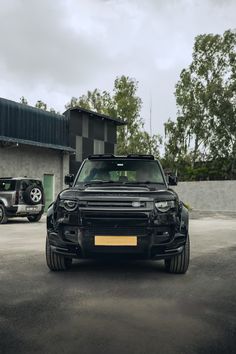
[(184, 218), (50, 216)]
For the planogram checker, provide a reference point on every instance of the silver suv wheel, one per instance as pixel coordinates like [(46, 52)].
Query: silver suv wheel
[(36, 195), (3, 217)]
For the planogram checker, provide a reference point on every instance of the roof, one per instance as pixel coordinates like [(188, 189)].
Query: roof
[(35, 143), (96, 115), (23, 124), (19, 178), (130, 156), (28, 107)]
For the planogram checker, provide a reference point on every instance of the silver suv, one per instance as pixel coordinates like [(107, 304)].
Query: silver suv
[(21, 197)]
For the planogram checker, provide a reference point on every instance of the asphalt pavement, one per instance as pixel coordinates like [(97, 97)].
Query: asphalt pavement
[(121, 306)]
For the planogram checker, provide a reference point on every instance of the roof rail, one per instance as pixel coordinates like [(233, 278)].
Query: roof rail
[(130, 156), (99, 156), (6, 177), (140, 156)]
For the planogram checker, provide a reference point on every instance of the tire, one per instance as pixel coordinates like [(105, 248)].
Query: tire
[(56, 262), (34, 218), (3, 217), (179, 264), (33, 195)]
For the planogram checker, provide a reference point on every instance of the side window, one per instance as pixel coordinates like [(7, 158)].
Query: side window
[(105, 131), (7, 185), (79, 148), (98, 147), (85, 126)]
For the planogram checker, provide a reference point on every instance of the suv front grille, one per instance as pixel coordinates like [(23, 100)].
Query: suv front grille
[(117, 230), (114, 204)]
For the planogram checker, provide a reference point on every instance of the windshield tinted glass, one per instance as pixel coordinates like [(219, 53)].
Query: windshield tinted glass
[(129, 171), (25, 183)]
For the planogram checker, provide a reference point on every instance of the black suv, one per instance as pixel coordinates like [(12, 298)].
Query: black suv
[(21, 197), (118, 205)]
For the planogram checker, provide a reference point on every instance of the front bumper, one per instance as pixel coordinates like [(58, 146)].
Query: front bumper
[(153, 243)]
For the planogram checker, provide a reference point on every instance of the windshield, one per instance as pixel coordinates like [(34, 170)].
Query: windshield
[(120, 171)]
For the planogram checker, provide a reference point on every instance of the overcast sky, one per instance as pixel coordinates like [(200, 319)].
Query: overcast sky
[(55, 49)]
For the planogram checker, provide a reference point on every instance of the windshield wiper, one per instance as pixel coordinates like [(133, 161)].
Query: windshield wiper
[(97, 181)]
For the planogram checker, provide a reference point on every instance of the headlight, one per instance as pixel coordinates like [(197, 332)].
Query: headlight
[(69, 205), (165, 205)]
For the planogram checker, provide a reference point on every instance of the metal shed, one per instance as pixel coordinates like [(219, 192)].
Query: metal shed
[(28, 125)]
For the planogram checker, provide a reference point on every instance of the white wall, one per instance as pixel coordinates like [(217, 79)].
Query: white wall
[(208, 195), (34, 162)]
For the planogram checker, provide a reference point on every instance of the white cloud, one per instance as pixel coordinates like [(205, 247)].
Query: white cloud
[(53, 50)]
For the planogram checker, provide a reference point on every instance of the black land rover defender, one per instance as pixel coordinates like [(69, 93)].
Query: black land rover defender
[(118, 205)]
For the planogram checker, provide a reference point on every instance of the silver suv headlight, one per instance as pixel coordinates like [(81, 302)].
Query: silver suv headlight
[(69, 205), (165, 205)]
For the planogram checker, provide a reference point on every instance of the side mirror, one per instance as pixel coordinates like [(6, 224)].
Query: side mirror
[(69, 179), (172, 180)]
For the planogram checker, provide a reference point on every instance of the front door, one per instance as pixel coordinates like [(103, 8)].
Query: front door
[(48, 185)]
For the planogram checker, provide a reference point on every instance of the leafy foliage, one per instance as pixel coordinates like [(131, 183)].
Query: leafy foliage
[(205, 129), (41, 105)]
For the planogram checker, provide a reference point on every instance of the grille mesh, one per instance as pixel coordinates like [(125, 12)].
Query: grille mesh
[(113, 204), (115, 231)]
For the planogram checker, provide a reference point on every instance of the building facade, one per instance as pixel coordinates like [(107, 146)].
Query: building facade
[(44, 145), (35, 144), (90, 133)]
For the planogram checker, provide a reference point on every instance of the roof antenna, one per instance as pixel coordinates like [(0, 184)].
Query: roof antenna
[(150, 115), (150, 123)]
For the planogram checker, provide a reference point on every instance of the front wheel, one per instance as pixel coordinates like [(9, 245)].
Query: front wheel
[(179, 264), (34, 218), (3, 217), (56, 262)]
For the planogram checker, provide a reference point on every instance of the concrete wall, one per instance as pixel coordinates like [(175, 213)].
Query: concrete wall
[(208, 195), (34, 162)]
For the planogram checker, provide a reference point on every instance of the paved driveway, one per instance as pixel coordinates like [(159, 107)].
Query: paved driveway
[(121, 307)]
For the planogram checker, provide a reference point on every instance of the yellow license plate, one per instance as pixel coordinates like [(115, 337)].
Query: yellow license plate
[(115, 241)]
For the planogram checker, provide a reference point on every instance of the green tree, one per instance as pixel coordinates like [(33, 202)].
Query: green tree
[(206, 100), (41, 105), (96, 101), (125, 105)]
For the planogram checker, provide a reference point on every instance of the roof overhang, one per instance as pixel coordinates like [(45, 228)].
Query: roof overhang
[(36, 143), (97, 115)]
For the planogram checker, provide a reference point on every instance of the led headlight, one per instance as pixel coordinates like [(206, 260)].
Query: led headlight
[(165, 205), (69, 205)]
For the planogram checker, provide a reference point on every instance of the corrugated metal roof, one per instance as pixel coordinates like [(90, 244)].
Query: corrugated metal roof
[(32, 126), (35, 143)]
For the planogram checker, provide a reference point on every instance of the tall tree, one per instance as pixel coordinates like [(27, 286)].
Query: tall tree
[(127, 107), (206, 101)]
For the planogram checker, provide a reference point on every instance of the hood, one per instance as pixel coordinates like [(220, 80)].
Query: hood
[(127, 192)]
